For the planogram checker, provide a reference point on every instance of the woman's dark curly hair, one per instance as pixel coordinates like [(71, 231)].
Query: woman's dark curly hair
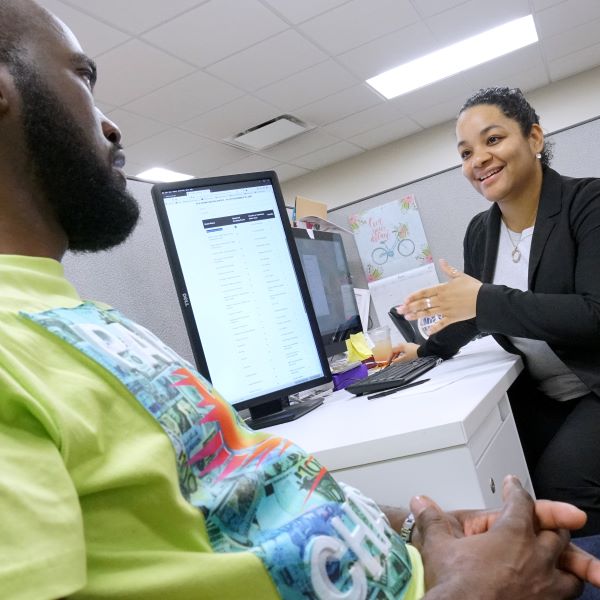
[(514, 105)]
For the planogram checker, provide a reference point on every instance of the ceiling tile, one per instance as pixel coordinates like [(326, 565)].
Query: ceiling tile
[(504, 67), (433, 94), (385, 134), (249, 164), (296, 12), (469, 19), (438, 113), (389, 51), (543, 4), (572, 40), (164, 147), (134, 16), (285, 171), (447, 110), (428, 8), (329, 155), (125, 76), (133, 127), (268, 62), (364, 20), (339, 105), (308, 58), (94, 36), (216, 30), (105, 107), (207, 159), (575, 63), (301, 145), (232, 118), (184, 99), (566, 15), (308, 86), (132, 169), (360, 122), (527, 80)]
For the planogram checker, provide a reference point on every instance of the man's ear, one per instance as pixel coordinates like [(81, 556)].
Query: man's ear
[(7, 87)]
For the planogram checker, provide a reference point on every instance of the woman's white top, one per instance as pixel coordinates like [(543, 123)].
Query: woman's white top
[(553, 378)]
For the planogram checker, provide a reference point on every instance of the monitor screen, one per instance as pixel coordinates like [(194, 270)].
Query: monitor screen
[(330, 285), (241, 288)]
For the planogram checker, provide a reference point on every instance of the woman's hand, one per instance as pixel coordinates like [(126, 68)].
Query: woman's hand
[(455, 300), (405, 351)]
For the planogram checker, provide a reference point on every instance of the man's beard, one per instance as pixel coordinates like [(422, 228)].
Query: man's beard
[(87, 195)]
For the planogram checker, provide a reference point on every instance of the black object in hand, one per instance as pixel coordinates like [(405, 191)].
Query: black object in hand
[(408, 329)]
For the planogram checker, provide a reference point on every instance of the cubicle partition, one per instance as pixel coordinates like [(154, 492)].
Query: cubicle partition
[(447, 201)]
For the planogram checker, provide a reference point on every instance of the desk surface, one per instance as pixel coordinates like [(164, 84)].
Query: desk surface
[(351, 430)]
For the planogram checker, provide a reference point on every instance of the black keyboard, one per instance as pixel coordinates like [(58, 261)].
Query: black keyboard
[(395, 375)]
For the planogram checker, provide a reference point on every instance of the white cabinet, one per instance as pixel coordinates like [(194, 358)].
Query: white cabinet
[(453, 438)]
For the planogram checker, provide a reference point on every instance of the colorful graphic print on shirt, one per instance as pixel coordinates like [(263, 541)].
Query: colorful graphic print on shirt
[(258, 493)]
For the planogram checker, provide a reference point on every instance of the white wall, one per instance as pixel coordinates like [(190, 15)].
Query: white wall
[(559, 105)]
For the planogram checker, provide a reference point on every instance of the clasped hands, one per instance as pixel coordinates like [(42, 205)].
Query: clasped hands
[(455, 300), (521, 551)]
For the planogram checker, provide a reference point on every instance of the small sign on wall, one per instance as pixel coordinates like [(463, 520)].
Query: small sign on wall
[(390, 238)]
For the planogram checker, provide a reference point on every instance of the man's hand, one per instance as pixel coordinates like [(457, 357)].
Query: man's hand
[(502, 554), (550, 515)]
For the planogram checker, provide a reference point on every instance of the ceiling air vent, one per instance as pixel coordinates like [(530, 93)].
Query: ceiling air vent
[(270, 133)]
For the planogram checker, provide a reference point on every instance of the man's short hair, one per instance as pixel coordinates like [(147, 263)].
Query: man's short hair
[(19, 20)]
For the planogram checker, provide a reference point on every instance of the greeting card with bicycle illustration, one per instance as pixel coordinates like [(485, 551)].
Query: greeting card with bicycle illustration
[(390, 238)]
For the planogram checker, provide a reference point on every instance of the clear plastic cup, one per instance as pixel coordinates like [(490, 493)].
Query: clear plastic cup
[(382, 343)]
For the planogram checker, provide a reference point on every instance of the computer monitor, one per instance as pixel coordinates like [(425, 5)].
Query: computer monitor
[(330, 285), (243, 295)]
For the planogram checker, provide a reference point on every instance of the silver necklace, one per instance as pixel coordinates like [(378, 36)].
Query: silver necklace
[(516, 253)]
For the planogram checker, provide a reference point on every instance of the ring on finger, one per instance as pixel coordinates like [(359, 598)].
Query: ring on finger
[(428, 303)]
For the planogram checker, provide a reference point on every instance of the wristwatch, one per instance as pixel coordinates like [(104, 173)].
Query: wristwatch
[(407, 528)]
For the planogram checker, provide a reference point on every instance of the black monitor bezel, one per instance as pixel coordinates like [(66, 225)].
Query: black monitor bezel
[(180, 286), (331, 347)]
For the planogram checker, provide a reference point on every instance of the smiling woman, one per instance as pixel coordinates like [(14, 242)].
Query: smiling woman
[(531, 265)]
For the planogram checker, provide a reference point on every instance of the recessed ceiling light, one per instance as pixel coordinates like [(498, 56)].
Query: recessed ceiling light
[(160, 174), (456, 58)]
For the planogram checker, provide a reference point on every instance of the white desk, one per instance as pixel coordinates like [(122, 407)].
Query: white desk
[(452, 438)]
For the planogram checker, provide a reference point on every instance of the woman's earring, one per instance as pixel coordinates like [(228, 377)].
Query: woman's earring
[(538, 155)]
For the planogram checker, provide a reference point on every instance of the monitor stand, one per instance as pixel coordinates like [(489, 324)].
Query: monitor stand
[(280, 411)]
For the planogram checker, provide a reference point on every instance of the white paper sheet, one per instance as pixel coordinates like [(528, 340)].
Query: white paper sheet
[(363, 300), (391, 291)]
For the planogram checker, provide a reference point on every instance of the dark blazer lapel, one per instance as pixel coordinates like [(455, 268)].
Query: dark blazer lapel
[(492, 236), (549, 207)]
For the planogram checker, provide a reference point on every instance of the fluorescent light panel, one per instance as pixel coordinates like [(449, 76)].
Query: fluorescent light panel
[(160, 174), (458, 57)]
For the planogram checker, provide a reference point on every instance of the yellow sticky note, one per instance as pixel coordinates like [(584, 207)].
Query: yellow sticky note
[(358, 347)]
